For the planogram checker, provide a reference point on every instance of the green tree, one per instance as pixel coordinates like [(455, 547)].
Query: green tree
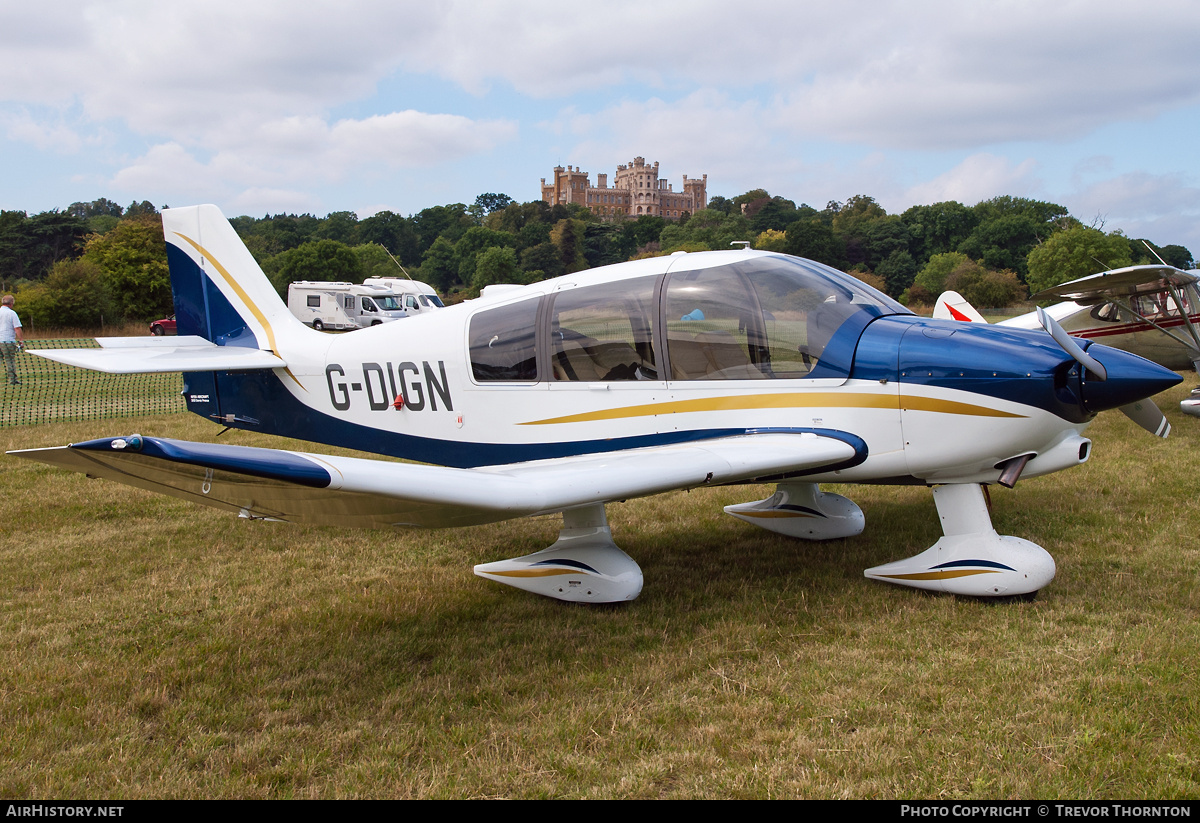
[(897, 270), (1074, 253), (1005, 242), (496, 264), (931, 279), (722, 204), (568, 235), (133, 258), (341, 226), (938, 228), (73, 295), (439, 267), (491, 202), (392, 231), (474, 241), (544, 258), (985, 288), (375, 261), (319, 260), (815, 240), (771, 240)]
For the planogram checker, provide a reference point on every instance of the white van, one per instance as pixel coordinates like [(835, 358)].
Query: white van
[(416, 297), (326, 305)]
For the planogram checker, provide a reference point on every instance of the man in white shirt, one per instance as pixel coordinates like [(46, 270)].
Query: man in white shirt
[(11, 338)]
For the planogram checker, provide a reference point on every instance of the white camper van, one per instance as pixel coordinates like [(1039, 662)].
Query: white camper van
[(326, 305), (416, 297)]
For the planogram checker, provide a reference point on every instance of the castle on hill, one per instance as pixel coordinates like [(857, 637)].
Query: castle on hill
[(636, 190)]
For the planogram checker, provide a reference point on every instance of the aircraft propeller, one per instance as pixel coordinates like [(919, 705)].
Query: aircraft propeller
[(1143, 412)]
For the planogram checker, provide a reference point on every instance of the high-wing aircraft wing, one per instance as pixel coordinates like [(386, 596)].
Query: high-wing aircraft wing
[(1119, 282), (346, 491)]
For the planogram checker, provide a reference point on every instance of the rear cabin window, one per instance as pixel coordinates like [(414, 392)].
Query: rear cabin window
[(313, 301), (503, 343), (604, 333)]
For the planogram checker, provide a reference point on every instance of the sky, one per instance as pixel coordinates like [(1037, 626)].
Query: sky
[(264, 106)]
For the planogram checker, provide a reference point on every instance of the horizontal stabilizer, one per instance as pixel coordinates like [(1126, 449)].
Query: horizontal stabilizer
[(153, 355), (349, 491)]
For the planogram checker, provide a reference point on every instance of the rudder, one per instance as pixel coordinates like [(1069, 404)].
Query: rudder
[(220, 292)]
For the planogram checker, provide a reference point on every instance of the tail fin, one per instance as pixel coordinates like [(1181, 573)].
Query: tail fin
[(953, 306), (221, 293)]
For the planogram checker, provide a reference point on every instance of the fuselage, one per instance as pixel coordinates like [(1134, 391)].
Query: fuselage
[(679, 349)]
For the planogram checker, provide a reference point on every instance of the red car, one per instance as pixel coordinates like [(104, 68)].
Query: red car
[(165, 326)]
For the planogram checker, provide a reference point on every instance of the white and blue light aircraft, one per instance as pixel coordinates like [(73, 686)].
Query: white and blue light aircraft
[(629, 380)]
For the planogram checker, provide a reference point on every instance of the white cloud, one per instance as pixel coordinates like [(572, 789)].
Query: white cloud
[(43, 134), (1163, 208), (295, 149), (705, 132), (978, 177)]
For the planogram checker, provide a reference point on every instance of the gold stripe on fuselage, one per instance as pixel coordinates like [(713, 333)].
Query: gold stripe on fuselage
[(788, 400)]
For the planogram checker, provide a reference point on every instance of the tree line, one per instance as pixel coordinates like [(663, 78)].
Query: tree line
[(98, 262)]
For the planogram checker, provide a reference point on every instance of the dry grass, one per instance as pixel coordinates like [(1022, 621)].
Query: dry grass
[(132, 329), (150, 648)]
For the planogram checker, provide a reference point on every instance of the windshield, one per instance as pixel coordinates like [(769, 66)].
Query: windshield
[(432, 300), (387, 302), (768, 317)]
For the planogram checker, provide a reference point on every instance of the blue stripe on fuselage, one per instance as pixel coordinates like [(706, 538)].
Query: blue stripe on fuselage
[(262, 396)]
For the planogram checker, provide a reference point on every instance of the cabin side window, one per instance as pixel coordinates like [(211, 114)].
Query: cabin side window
[(605, 332), (1108, 312), (503, 343)]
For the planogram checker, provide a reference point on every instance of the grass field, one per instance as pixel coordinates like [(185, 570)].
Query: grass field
[(151, 648)]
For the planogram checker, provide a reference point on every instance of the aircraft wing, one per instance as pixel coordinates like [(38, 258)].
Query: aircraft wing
[(145, 355), (1126, 281), (348, 491)]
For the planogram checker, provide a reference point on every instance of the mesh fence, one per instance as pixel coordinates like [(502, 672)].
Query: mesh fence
[(50, 392)]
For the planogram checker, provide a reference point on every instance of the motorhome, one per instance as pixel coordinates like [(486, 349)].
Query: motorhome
[(338, 305), (416, 297)]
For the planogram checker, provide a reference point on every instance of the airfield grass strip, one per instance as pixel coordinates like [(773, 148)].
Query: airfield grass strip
[(153, 648)]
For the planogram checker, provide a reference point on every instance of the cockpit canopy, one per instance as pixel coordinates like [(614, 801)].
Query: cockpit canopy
[(768, 317)]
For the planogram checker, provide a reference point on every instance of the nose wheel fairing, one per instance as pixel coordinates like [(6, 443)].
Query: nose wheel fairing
[(971, 558)]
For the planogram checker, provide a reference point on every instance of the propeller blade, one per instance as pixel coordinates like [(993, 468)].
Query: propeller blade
[(1148, 416), (1069, 345)]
